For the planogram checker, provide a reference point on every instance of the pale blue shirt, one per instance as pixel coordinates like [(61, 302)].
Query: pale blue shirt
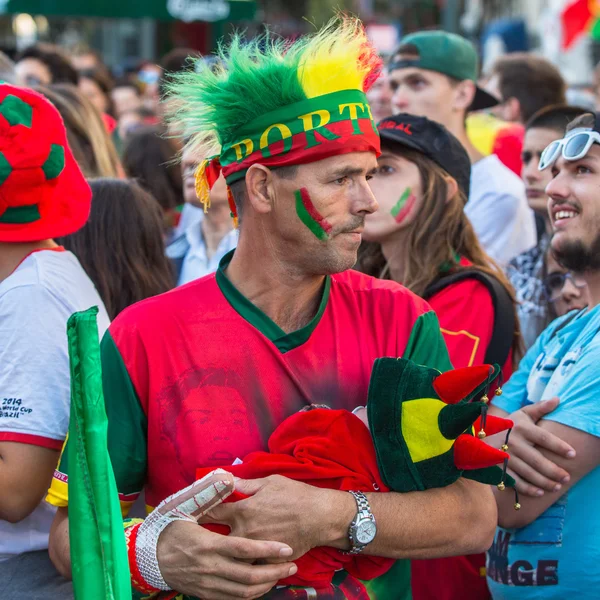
[(190, 216), (557, 556), (190, 250)]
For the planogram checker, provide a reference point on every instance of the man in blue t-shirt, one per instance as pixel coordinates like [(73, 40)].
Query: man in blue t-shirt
[(550, 548)]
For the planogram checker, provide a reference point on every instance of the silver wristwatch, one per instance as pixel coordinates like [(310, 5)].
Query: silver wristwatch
[(363, 528)]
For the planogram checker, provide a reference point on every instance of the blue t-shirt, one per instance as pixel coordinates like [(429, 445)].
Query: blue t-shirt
[(558, 555)]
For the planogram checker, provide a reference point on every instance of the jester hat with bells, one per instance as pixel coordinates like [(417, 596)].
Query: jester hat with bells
[(278, 103), (428, 427)]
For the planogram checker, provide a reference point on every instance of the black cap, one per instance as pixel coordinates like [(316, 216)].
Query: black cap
[(433, 140)]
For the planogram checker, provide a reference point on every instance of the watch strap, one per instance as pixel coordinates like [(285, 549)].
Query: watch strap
[(363, 512)]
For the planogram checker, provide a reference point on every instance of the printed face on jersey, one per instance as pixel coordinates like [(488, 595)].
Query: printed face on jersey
[(423, 93), (219, 435), (319, 214), (398, 190), (574, 209), (535, 141)]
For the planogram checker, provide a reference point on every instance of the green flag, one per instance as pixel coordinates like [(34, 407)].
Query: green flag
[(98, 551)]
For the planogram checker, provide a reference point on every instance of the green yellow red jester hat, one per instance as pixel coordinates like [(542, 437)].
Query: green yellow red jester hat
[(278, 103), (428, 427)]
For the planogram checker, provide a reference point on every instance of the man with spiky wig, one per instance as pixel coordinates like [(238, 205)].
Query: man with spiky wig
[(202, 376)]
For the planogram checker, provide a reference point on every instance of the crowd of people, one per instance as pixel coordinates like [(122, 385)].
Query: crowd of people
[(257, 229)]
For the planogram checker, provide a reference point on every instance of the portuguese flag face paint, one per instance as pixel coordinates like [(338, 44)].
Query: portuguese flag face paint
[(403, 206), (310, 216)]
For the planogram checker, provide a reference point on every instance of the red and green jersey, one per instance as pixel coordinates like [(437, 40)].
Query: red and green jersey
[(200, 376), (466, 313), (465, 310)]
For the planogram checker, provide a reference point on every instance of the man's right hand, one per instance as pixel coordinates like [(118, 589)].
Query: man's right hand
[(210, 566), (534, 473)]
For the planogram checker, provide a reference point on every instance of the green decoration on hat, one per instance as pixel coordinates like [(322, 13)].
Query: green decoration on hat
[(20, 215), (16, 111), (55, 163), (423, 425), (5, 168)]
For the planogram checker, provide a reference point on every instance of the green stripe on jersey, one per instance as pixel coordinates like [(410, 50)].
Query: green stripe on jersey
[(127, 423), (393, 585), (283, 341)]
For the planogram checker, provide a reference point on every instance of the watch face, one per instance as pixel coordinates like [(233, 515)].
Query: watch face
[(365, 532)]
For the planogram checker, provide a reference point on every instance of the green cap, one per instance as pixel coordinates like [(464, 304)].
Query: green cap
[(445, 53)]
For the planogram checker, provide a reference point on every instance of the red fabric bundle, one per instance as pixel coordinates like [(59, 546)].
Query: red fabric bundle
[(328, 449)]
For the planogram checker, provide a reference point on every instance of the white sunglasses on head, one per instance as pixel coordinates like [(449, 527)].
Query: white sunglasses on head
[(574, 146)]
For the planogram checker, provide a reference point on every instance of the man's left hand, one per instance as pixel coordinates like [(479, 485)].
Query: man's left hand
[(287, 511)]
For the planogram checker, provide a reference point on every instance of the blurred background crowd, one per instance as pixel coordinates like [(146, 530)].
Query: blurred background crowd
[(106, 65)]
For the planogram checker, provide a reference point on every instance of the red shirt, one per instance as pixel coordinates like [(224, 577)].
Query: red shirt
[(466, 315), (330, 449), (199, 376)]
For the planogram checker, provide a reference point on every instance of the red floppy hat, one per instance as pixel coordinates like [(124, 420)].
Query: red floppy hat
[(43, 193)]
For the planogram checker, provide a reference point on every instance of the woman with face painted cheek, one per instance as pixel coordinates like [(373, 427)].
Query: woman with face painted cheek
[(420, 234), (421, 238)]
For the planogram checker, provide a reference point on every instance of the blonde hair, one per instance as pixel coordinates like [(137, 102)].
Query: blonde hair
[(88, 138)]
